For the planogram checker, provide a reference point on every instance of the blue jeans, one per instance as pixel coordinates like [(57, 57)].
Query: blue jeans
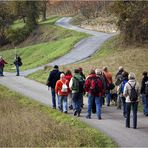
[(76, 97), (97, 102), (53, 98), (1, 71), (108, 98), (63, 105), (145, 104), (134, 106), (17, 70)]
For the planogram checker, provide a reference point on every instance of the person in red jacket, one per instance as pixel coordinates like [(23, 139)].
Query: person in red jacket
[(68, 76), (62, 89), (2, 65), (94, 87)]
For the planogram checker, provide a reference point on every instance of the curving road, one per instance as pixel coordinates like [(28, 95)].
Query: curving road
[(112, 123), (82, 50)]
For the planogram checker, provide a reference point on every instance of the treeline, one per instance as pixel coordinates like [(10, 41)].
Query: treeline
[(28, 11), (132, 16)]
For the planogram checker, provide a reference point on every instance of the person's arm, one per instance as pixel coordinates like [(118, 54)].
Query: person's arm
[(125, 91)]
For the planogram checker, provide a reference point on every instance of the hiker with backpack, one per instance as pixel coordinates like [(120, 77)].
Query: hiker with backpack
[(94, 87), (131, 93), (62, 89), (99, 74), (77, 86), (118, 81), (109, 84), (68, 76), (53, 77), (2, 65), (121, 90), (83, 76), (17, 63), (144, 93)]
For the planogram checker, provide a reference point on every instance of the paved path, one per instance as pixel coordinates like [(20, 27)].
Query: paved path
[(112, 122), (82, 50)]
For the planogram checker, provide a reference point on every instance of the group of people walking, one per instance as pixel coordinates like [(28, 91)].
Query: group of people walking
[(70, 88), (17, 62)]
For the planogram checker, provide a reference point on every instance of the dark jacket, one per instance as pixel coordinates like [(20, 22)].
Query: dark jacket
[(145, 79), (54, 76)]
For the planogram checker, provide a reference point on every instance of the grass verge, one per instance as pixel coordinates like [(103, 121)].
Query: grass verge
[(27, 123)]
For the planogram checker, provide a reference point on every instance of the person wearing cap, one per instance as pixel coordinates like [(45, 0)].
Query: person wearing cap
[(62, 92), (53, 77), (2, 65), (132, 83)]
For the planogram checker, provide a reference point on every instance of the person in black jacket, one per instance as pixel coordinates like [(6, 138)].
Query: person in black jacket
[(17, 63), (144, 82), (54, 76)]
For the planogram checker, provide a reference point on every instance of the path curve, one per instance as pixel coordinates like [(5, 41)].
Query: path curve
[(82, 50), (112, 123)]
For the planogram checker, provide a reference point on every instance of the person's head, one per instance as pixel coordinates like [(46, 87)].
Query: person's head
[(105, 68), (80, 69), (68, 72), (144, 74), (121, 68), (98, 71), (62, 75), (125, 74), (131, 76), (76, 71), (92, 71), (56, 67)]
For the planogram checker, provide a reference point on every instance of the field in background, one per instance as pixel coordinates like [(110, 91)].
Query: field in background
[(45, 44)]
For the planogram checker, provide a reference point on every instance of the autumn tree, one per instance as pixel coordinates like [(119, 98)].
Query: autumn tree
[(132, 20)]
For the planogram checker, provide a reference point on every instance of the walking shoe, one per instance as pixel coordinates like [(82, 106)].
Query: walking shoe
[(65, 112), (75, 113), (99, 118), (88, 117), (70, 107)]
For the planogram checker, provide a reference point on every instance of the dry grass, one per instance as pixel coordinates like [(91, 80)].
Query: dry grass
[(132, 58), (28, 124)]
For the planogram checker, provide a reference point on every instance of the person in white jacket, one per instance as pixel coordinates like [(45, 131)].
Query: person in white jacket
[(132, 83)]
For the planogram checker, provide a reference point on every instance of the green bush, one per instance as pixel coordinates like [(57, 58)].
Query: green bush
[(18, 35)]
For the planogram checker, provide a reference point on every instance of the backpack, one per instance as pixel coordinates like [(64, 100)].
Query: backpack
[(94, 87), (80, 85), (146, 88), (64, 87), (20, 61), (133, 94)]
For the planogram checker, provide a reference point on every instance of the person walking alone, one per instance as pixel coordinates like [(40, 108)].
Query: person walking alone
[(17, 63)]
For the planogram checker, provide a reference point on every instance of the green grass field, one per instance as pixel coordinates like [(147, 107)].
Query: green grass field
[(26, 123), (52, 43)]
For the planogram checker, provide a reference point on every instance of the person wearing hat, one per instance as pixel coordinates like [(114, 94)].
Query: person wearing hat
[(53, 77)]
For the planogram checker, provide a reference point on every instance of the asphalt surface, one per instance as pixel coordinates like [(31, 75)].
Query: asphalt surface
[(112, 123)]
